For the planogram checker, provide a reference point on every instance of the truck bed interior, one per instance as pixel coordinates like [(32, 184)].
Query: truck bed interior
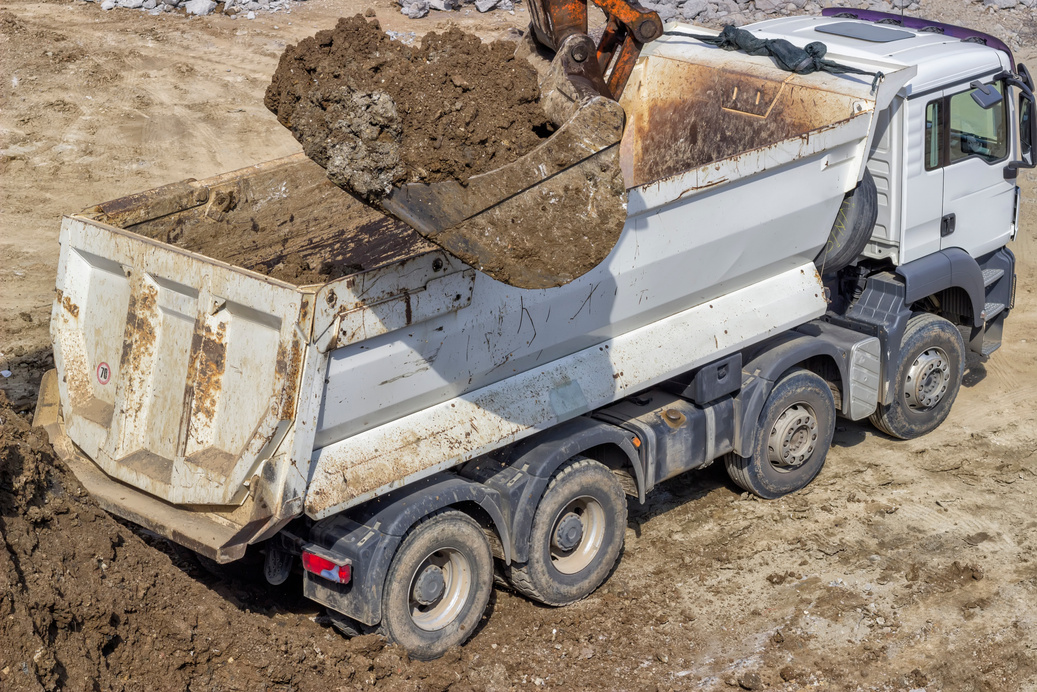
[(284, 219)]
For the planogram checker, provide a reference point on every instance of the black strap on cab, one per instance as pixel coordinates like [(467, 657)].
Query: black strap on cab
[(789, 57)]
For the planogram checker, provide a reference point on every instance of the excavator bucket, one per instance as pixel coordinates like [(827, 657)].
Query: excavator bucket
[(557, 212), (540, 221), (545, 218)]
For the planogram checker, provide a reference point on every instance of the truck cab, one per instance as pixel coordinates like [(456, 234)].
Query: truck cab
[(942, 158)]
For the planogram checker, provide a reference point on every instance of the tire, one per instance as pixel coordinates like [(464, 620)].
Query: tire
[(852, 228), (792, 440), (438, 585), (926, 378), (576, 537)]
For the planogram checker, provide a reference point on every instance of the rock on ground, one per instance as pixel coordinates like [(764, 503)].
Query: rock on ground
[(199, 7)]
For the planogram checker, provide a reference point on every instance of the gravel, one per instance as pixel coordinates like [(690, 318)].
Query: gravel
[(707, 12)]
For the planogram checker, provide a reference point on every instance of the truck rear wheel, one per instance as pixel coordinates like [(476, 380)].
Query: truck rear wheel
[(577, 535), (852, 228), (438, 585), (792, 439), (926, 378)]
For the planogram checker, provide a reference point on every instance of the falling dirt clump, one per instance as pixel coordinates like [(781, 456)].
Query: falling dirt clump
[(377, 113)]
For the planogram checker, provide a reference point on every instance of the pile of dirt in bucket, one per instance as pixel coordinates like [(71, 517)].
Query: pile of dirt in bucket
[(87, 604), (377, 113)]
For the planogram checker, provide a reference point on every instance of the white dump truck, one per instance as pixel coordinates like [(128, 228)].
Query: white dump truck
[(404, 430)]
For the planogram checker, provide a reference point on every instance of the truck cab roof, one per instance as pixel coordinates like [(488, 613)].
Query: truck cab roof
[(941, 59)]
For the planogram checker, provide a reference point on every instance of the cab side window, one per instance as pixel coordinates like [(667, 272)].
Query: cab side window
[(958, 128), (975, 131), (933, 150)]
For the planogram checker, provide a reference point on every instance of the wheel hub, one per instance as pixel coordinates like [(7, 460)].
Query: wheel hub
[(429, 585), (793, 437), (577, 535), (927, 380), (440, 588), (569, 533)]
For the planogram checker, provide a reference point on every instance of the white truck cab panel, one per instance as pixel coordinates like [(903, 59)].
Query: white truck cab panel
[(938, 158)]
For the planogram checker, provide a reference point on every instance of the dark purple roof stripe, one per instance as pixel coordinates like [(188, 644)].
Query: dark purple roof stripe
[(918, 23)]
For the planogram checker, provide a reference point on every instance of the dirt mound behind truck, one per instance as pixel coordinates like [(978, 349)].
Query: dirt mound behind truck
[(377, 113), (86, 604)]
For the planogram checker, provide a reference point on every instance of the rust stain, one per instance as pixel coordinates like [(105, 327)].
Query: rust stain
[(70, 307), (205, 373), (138, 340), (288, 367), (696, 188), (721, 114)]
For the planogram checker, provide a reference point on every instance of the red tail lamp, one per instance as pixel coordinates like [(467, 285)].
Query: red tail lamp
[(323, 567)]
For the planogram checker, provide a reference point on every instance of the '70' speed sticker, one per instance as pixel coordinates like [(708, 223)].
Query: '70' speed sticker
[(104, 373)]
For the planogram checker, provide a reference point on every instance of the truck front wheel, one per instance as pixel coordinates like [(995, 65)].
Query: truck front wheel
[(576, 537), (926, 378), (792, 440), (438, 585)]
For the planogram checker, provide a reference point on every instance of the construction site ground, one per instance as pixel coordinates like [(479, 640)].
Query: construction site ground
[(905, 565)]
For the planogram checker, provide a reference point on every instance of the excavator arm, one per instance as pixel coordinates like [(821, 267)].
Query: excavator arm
[(555, 213), (629, 27)]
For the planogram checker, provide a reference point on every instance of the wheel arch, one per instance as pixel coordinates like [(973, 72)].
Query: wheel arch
[(948, 273), (779, 357), (523, 476), (446, 490)]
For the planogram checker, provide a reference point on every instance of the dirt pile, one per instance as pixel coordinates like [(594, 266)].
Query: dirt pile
[(86, 604), (376, 113)]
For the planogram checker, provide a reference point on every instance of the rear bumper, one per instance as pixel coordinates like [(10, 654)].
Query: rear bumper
[(203, 532)]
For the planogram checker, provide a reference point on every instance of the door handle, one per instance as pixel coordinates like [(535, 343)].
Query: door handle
[(947, 225)]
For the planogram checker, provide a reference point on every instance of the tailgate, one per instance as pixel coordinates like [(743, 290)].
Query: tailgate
[(180, 373)]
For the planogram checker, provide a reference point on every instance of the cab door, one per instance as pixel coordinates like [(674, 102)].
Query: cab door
[(975, 141), (923, 181)]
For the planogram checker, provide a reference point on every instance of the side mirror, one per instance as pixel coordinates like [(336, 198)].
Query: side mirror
[(1027, 129), (1027, 123), (985, 95), (1025, 78)]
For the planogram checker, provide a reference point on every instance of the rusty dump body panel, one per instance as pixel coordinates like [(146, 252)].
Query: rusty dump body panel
[(213, 403), (689, 109), (181, 376), (259, 217)]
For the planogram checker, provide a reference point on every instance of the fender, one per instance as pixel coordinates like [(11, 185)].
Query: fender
[(882, 310), (941, 270), (768, 363), (369, 539), (523, 476)]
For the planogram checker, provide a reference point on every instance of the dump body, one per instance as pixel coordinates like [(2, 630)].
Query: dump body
[(214, 403)]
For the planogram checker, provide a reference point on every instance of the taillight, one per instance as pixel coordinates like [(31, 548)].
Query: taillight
[(323, 567)]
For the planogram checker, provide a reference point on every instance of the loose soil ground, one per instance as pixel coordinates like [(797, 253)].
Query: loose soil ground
[(906, 565), (85, 603)]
